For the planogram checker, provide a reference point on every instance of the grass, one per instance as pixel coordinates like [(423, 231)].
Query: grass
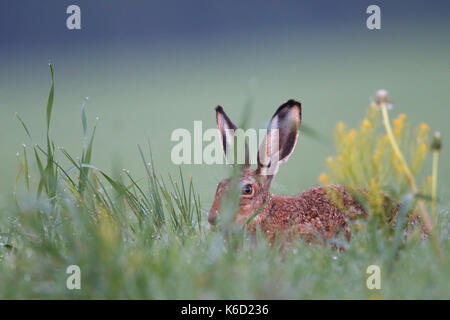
[(148, 238)]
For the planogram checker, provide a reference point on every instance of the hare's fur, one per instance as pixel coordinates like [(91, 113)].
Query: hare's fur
[(313, 214)]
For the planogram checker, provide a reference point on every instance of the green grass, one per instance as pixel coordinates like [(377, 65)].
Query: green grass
[(147, 237)]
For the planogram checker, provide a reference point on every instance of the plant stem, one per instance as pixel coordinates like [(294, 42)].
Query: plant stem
[(396, 148), (422, 209), (434, 184)]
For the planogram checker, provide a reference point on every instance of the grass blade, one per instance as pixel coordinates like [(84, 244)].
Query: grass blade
[(405, 206), (50, 98), (24, 126)]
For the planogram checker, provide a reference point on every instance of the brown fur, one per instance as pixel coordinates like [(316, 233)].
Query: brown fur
[(316, 214)]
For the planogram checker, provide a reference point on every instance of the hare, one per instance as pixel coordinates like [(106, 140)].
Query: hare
[(319, 213)]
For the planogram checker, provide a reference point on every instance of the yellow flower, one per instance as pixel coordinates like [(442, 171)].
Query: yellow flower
[(366, 127), (399, 124), (365, 157), (323, 178), (340, 127), (422, 133), (351, 135), (398, 166), (366, 124), (424, 127)]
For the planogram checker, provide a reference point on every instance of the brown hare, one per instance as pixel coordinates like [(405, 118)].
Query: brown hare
[(319, 213)]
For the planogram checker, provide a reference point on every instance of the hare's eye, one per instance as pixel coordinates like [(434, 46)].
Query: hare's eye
[(247, 189)]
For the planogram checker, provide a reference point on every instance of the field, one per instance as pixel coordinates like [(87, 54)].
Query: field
[(134, 236)]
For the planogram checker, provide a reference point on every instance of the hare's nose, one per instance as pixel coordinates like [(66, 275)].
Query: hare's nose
[(212, 215)]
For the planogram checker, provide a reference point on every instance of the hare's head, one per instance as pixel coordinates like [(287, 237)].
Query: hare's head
[(277, 146)]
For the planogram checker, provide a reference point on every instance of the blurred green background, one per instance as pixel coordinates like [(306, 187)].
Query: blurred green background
[(142, 88)]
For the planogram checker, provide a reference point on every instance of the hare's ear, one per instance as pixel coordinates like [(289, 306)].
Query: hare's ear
[(281, 138), (227, 131), (226, 128)]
